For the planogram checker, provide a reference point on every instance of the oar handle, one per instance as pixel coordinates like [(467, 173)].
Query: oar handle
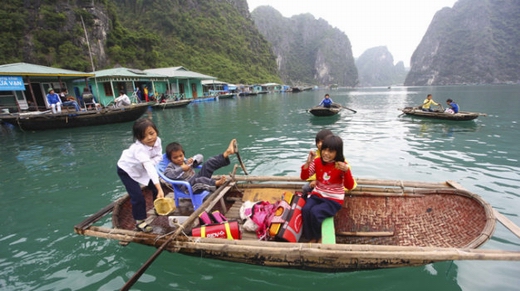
[(235, 146), (349, 109)]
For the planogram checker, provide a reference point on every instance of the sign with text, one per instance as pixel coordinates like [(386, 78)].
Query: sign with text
[(11, 83)]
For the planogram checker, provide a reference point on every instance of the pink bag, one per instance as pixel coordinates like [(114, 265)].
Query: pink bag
[(261, 216)]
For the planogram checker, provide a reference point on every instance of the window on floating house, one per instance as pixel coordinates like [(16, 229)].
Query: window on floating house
[(108, 89)]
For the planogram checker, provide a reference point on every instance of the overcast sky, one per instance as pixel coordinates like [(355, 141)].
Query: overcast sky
[(397, 24)]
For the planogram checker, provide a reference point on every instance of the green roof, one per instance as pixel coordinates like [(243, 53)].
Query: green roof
[(126, 72), (32, 70), (180, 72)]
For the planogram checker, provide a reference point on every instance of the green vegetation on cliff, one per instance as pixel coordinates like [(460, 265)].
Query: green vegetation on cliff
[(208, 36)]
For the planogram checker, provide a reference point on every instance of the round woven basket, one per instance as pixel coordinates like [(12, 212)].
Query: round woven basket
[(164, 206)]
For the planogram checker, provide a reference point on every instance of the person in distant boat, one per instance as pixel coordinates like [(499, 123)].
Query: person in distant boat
[(136, 167), (311, 182), (182, 169), (326, 102), (54, 101), (122, 100), (454, 107), (428, 102), (68, 100), (333, 175)]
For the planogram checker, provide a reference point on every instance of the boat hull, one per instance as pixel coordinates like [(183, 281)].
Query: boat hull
[(226, 96), (46, 121), (323, 111), (382, 224), (461, 116), (172, 104)]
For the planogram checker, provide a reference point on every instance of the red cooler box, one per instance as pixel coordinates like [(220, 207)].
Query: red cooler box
[(286, 224), (228, 229)]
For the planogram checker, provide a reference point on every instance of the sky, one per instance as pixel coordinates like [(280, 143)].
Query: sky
[(397, 24)]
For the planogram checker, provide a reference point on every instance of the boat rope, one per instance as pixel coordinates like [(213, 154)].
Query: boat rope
[(175, 223), (18, 122)]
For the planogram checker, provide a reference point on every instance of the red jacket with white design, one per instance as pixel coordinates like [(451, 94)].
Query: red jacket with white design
[(330, 182)]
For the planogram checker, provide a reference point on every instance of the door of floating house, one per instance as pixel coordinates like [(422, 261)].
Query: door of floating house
[(194, 90)]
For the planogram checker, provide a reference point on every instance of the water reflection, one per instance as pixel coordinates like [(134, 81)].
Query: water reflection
[(324, 120), (447, 128)]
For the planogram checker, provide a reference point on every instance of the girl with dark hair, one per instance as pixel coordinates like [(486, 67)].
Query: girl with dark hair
[(136, 166), (333, 175), (320, 136)]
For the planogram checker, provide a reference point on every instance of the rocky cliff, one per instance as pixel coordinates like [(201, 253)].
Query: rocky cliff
[(376, 68), (214, 37), (475, 42), (307, 50)]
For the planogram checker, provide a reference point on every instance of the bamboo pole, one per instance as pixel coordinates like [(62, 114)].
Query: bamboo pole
[(360, 181), (216, 244), (80, 227), (507, 223)]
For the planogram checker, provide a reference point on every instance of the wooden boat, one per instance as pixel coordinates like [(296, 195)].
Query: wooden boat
[(324, 111), (383, 224), (246, 94), (226, 95), (43, 120), (461, 116), (172, 104)]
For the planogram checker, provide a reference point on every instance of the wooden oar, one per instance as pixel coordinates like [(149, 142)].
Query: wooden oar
[(240, 159), (190, 220), (348, 108)]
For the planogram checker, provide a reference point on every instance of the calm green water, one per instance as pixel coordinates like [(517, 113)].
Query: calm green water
[(53, 180)]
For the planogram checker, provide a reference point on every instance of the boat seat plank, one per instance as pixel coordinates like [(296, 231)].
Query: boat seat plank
[(265, 194)]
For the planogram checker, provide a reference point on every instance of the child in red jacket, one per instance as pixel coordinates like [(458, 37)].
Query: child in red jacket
[(332, 174)]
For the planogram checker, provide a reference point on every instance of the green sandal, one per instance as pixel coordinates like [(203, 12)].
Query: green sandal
[(141, 225)]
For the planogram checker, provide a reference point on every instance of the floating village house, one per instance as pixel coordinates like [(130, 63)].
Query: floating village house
[(216, 87), (182, 83), (24, 86), (107, 84), (173, 81)]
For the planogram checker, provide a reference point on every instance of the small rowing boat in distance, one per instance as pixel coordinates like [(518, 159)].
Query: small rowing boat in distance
[(325, 111), (460, 116)]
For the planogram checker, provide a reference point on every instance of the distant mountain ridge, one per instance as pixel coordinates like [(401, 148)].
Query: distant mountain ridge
[(475, 42), (376, 68), (307, 50)]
